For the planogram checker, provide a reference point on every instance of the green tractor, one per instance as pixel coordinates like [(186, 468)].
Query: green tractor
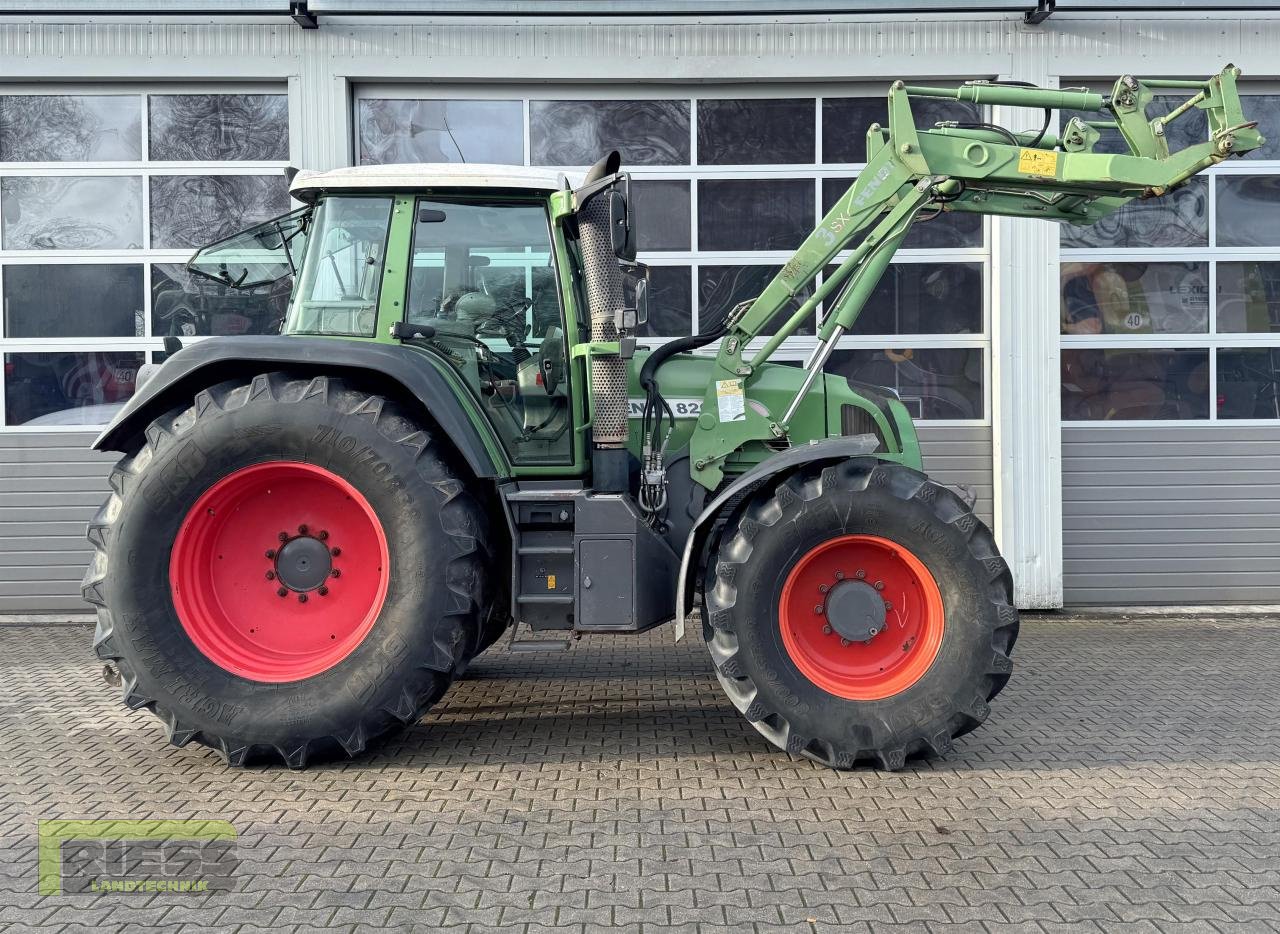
[(311, 535)]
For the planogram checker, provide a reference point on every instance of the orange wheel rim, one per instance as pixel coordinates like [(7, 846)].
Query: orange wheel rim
[(831, 624)]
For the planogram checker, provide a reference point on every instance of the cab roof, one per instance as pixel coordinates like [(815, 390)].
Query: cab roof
[(307, 186)]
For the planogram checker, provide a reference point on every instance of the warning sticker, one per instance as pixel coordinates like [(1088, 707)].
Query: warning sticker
[(1037, 162), (551, 582), (730, 400)]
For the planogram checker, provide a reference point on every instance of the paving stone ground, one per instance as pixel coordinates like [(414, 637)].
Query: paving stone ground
[(1129, 780)]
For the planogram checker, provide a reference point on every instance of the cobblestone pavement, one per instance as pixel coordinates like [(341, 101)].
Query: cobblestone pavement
[(1129, 779)]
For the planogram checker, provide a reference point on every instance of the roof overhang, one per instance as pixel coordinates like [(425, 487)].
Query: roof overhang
[(307, 186)]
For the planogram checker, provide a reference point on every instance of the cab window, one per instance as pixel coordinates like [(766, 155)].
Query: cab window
[(342, 275), (483, 279)]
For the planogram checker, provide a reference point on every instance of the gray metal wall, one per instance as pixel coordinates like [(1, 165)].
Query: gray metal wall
[(960, 455), (1171, 515)]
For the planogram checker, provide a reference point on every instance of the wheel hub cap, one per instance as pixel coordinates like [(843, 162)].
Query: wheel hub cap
[(855, 610), (303, 563)]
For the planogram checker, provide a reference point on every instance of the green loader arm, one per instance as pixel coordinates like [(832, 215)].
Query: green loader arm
[(914, 173)]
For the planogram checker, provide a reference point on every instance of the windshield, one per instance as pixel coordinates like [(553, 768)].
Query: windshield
[(337, 292), (258, 256)]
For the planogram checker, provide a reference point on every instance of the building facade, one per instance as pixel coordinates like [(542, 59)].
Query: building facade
[(1109, 393)]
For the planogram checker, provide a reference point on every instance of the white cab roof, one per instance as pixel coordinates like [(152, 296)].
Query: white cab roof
[(308, 185)]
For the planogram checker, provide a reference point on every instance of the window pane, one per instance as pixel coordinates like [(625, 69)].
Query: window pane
[(581, 132), (1247, 381), (70, 128), (933, 384), (754, 214), (670, 302), (341, 276), (67, 388), (1189, 129), (920, 298), (72, 213), (1115, 385), (1249, 297), (1265, 108), (394, 131), (720, 288), (1248, 210), (845, 121), (219, 127), (660, 215), (193, 210), (1177, 220), (949, 231), (756, 132), (73, 301), (1135, 298), (183, 305)]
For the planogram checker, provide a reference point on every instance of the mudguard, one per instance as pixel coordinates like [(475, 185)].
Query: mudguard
[(830, 449), (218, 358)]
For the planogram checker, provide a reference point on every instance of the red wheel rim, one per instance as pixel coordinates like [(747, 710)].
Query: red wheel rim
[(279, 571), (899, 652)]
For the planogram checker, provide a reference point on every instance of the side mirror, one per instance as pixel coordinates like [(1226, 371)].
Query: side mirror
[(624, 245), (642, 301), (430, 216), (635, 297)]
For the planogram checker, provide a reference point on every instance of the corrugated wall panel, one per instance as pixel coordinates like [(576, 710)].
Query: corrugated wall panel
[(1171, 515), (960, 455)]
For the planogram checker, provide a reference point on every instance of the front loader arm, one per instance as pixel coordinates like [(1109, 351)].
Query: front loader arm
[(974, 168)]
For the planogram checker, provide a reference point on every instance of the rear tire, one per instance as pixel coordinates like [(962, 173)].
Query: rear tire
[(941, 655), (211, 651)]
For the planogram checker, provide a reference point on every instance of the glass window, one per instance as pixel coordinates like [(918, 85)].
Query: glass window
[(219, 127), (952, 230), (756, 131), (754, 214), (70, 127), (1249, 297), (937, 383), (845, 121), (670, 302), (69, 212), (720, 288), (342, 274), (1247, 381), (660, 214), (1135, 298), (923, 298), (394, 131), (190, 211), (645, 132), (1106, 384), (69, 388), (257, 256), (1180, 219), (484, 281), (99, 300), (1248, 210), (185, 305)]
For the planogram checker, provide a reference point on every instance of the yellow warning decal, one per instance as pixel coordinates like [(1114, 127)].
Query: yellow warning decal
[(1037, 162), (551, 582)]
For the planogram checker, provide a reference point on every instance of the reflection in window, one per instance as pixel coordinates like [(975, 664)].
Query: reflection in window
[(670, 302), (660, 214), (394, 131), (569, 133), (72, 212), (1125, 384), (756, 131), (754, 214), (1135, 298), (1248, 210), (720, 288), (1247, 382), (845, 121), (75, 388), (951, 230), (922, 298), (1249, 297), (933, 384), (73, 301), (190, 211), (70, 127), (341, 276), (1180, 219), (183, 305), (219, 127)]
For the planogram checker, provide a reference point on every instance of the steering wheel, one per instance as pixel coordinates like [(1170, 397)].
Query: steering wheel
[(551, 358)]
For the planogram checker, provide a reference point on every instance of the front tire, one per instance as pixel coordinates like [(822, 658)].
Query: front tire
[(859, 611), (289, 568)]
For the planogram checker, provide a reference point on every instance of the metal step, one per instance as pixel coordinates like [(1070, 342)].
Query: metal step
[(535, 645), (562, 598), (545, 550)]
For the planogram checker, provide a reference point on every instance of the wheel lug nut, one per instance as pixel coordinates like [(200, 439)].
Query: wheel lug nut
[(302, 530), (271, 575), (335, 551), (323, 591), (818, 609), (823, 588), (888, 605), (879, 585), (283, 536), (861, 574), (271, 552), (335, 573), (826, 630), (323, 535), (282, 592), (844, 641), (839, 575), (302, 598)]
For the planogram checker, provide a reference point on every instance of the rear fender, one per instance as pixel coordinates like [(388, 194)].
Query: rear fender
[(385, 367), (832, 449)]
